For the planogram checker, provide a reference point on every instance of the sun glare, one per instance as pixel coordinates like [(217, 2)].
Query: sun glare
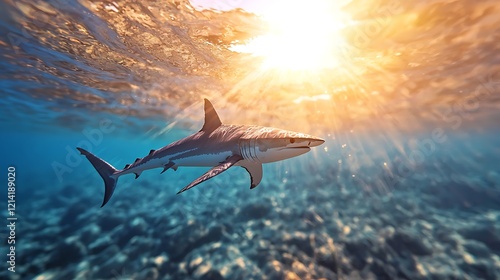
[(302, 36)]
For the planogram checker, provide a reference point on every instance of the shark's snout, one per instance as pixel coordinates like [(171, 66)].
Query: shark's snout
[(305, 142), (313, 142)]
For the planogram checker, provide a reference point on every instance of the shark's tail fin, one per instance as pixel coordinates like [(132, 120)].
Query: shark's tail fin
[(106, 171)]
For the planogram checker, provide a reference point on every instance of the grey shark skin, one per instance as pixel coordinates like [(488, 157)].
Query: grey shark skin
[(215, 145)]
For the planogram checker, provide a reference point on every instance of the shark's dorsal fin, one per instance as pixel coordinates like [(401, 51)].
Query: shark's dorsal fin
[(212, 121)]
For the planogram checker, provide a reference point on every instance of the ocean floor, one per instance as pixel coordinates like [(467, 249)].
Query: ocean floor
[(297, 228)]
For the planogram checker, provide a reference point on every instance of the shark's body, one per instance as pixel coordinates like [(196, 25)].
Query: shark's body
[(217, 145)]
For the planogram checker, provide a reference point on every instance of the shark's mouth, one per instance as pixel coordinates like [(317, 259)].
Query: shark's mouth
[(294, 148)]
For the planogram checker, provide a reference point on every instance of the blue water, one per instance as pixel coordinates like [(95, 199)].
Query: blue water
[(406, 185)]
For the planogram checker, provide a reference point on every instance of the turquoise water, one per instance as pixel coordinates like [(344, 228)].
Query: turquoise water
[(406, 185)]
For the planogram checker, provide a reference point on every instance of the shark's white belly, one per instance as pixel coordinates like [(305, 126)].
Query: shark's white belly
[(203, 159), (154, 163)]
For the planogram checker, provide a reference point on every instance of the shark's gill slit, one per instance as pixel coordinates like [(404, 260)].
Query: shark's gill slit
[(248, 150)]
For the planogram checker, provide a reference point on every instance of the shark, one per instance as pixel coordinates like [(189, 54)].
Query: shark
[(216, 145)]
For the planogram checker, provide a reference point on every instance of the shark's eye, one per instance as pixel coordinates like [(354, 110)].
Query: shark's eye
[(292, 140)]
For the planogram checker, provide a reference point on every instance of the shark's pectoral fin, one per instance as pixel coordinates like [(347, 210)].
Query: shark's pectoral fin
[(254, 170), (223, 166)]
